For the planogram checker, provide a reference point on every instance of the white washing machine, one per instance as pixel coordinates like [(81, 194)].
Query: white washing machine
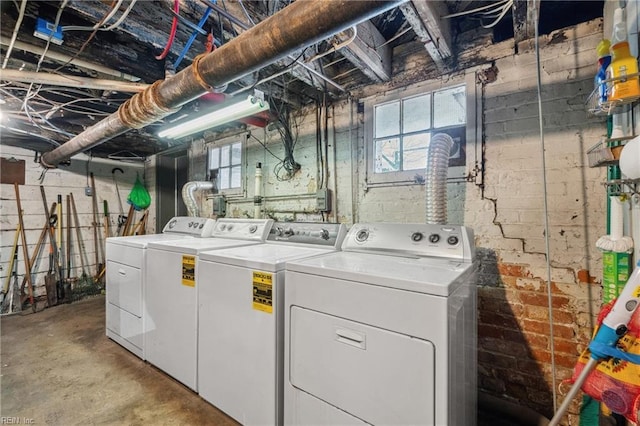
[(240, 339), (126, 275), (384, 331), (171, 328)]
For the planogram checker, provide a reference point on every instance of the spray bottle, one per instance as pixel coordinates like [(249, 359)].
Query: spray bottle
[(604, 60)]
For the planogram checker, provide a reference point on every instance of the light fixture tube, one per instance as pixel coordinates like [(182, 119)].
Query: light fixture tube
[(250, 106)]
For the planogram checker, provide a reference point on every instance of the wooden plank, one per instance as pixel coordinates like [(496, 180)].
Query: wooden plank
[(524, 19), (368, 52), (435, 33), (12, 171)]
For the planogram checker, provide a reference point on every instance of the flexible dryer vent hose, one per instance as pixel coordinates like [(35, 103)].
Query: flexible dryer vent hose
[(188, 195), (436, 178)]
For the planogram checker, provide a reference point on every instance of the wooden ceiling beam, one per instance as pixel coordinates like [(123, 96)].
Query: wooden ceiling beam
[(525, 15), (435, 33), (369, 52)]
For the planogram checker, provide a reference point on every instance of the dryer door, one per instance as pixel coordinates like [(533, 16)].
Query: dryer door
[(378, 376)]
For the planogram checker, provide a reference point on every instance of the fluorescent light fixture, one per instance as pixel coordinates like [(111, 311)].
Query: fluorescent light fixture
[(250, 106)]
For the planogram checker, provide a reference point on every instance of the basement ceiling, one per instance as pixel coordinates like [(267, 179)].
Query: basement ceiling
[(110, 49)]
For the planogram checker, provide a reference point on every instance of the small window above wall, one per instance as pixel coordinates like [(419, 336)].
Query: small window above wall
[(225, 164), (398, 130)]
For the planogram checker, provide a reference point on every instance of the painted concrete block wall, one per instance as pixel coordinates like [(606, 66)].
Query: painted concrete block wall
[(64, 180)]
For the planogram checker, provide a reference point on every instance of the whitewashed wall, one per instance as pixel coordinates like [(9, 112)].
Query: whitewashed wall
[(64, 180)]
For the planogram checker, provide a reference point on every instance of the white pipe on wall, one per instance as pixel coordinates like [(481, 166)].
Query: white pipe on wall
[(257, 199)]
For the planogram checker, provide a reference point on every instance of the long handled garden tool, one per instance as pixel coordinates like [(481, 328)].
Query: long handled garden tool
[(94, 211), (122, 218), (36, 251), (50, 282), (25, 250), (14, 258), (52, 220), (67, 281), (85, 284)]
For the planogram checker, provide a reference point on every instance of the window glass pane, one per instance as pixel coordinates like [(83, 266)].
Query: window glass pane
[(387, 120), (223, 178), (387, 155), (416, 114), (449, 107), (214, 158), (225, 155), (414, 151), (236, 153), (236, 177)]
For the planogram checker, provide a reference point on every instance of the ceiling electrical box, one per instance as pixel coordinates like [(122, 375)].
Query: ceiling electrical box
[(323, 200), (48, 31)]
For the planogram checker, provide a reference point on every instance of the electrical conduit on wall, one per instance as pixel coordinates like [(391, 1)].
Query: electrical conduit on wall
[(188, 195), (436, 178)]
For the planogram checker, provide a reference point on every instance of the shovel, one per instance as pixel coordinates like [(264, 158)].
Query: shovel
[(50, 282)]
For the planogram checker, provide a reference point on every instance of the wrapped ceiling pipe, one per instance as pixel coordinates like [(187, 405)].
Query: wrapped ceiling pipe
[(297, 25), (436, 178), (189, 198)]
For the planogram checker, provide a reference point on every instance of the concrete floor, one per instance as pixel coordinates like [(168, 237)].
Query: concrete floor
[(59, 368)]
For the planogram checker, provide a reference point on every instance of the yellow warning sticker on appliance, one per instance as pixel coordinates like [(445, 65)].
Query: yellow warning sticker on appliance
[(189, 271), (263, 291)]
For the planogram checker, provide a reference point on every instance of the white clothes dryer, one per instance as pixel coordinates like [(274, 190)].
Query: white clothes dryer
[(171, 328), (384, 331), (126, 275), (241, 318)]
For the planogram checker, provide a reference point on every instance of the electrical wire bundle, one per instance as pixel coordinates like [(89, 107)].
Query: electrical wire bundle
[(288, 166)]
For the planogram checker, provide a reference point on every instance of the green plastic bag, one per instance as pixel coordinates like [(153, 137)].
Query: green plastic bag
[(139, 197)]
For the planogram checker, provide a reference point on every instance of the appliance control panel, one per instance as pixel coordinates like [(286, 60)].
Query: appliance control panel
[(242, 229), (195, 226), (421, 240), (317, 234)]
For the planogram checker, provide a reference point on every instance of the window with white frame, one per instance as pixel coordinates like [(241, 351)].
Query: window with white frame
[(225, 162), (401, 127)]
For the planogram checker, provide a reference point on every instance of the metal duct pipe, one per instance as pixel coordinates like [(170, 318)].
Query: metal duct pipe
[(188, 195), (436, 178), (300, 24)]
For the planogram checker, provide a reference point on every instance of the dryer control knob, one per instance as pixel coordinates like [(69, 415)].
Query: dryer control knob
[(253, 229), (362, 235), (453, 240), (172, 223), (434, 238), (324, 234), (417, 236)]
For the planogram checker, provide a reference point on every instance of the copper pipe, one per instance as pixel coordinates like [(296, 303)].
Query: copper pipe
[(300, 24)]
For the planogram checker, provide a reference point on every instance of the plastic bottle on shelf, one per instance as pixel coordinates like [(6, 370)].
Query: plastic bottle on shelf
[(622, 64), (604, 60)]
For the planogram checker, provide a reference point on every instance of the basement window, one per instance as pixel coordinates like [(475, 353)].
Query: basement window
[(400, 127), (225, 163)]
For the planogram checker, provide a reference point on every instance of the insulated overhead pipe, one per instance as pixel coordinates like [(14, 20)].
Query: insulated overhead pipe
[(300, 24)]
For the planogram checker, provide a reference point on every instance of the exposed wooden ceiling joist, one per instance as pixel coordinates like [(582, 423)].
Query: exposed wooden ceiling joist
[(525, 15), (435, 33), (369, 52)]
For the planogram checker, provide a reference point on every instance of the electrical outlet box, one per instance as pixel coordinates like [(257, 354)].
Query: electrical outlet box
[(45, 29), (219, 206), (323, 200)]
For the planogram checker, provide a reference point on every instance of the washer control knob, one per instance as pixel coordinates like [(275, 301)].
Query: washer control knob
[(417, 236), (190, 224), (172, 223), (201, 225), (452, 240), (253, 229), (362, 235), (229, 227), (324, 234), (223, 227), (434, 238)]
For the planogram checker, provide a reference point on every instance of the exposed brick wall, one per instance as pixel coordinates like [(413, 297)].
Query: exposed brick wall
[(506, 212)]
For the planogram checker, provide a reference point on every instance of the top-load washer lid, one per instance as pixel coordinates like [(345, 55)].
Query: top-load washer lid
[(142, 241), (196, 245), (267, 257), (439, 277)]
